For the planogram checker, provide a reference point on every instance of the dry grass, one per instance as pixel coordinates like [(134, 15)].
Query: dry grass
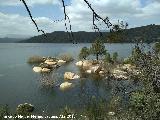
[(66, 57), (35, 59)]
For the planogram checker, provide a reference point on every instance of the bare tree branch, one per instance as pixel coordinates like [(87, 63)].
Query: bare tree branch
[(66, 17), (98, 17), (39, 30)]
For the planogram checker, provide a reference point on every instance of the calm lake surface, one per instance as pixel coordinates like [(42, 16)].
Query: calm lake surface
[(19, 84)]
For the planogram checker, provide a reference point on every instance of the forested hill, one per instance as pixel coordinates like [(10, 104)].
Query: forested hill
[(64, 37), (148, 33), (10, 40)]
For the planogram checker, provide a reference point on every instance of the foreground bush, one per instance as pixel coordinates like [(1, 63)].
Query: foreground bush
[(35, 59), (156, 47), (25, 109), (4, 111)]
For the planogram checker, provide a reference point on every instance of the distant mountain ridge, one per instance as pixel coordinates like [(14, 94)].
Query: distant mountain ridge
[(149, 33), (10, 40), (63, 37)]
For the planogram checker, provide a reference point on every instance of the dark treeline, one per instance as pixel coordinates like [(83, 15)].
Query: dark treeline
[(150, 33), (63, 37)]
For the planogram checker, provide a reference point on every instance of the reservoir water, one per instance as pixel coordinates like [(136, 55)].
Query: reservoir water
[(19, 84)]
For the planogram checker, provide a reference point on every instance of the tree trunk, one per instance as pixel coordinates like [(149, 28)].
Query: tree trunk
[(97, 56)]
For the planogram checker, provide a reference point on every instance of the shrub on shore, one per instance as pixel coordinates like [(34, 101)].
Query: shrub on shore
[(66, 57), (115, 57), (35, 59), (156, 47), (107, 57), (4, 111), (84, 53)]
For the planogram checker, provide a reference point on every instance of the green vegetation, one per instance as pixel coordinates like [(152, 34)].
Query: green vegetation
[(98, 48), (95, 109), (107, 57), (148, 33), (128, 60), (157, 47), (142, 103), (62, 37), (84, 53), (115, 57), (117, 32), (145, 103), (4, 111), (35, 59), (25, 109), (135, 56)]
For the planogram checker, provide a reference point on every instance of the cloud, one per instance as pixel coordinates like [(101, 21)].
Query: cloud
[(20, 25), (29, 2), (127, 10), (80, 15), (150, 10)]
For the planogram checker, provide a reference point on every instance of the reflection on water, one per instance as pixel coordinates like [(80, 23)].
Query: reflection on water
[(19, 84)]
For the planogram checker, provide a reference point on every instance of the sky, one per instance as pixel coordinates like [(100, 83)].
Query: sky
[(15, 21)]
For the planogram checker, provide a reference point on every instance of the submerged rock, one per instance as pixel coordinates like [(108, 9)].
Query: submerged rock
[(65, 85), (101, 72), (71, 76), (111, 113), (84, 64), (45, 70), (89, 71), (96, 69), (76, 76), (61, 62), (79, 63), (37, 69), (50, 62), (87, 63)]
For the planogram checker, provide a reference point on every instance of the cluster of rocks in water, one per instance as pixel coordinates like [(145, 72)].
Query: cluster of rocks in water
[(119, 72), (48, 65), (91, 67)]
